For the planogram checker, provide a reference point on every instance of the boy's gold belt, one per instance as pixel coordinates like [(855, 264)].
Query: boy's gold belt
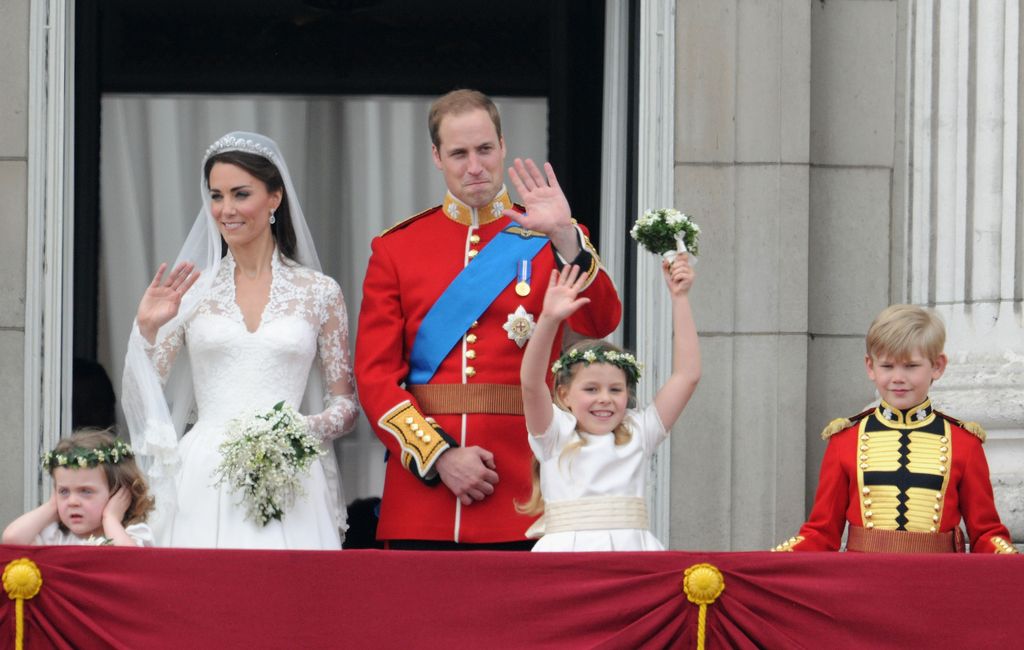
[(876, 540)]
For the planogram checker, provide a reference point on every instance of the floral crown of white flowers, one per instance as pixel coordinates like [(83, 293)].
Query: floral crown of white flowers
[(624, 360), (80, 458), (232, 143)]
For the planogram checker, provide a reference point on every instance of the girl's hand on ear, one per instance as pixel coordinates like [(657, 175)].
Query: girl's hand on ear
[(117, 506), (51, 506)]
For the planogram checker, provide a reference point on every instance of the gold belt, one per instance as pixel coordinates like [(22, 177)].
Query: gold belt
[(876, 540), (499, 399)]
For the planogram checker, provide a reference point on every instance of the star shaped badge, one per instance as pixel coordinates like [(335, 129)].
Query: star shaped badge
[(520, 325)]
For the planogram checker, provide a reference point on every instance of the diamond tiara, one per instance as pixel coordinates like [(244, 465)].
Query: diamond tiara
[(232, 143)]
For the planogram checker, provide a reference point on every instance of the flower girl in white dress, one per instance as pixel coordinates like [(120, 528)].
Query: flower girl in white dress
[(244, 321), (591, 450)]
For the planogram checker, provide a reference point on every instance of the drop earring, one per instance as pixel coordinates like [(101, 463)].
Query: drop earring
[(273, 219)]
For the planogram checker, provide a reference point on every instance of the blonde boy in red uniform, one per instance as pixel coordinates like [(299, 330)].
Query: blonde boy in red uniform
[(450, 299), (903, 475)]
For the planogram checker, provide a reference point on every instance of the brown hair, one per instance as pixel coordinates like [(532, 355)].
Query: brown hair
[(901, 330), (267, 172), (563, 379), (455, 103), (123, 474)]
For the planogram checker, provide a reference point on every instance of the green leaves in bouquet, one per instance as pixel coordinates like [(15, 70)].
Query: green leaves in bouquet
[(656, 231)]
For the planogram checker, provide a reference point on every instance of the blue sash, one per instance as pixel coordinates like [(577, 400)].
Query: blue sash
[(469, 295)]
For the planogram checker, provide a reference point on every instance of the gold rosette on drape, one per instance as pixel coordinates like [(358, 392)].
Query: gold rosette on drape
[(703, 584), (22, 581)]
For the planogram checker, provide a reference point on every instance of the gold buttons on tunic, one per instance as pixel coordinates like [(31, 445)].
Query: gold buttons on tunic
[(426, 438), (409, 420), (866, 490), (475, 323), (865, 437), (472, 253), (470, 371), (867, 502), (864, 465), (471, 354), (471, 338), (474, 239), (870, 524)]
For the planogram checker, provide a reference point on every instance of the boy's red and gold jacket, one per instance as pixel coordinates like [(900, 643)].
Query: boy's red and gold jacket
[(918, 471), (410, 267)]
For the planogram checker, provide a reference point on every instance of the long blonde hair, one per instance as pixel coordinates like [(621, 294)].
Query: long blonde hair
[(564, 377)]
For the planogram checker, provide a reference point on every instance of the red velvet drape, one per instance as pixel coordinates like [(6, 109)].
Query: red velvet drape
[(184, 598)]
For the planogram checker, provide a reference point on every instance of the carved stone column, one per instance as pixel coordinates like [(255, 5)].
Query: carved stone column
[(962, 223)]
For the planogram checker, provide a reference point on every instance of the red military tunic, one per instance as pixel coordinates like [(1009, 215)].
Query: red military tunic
[(916, 471), (410, 267)]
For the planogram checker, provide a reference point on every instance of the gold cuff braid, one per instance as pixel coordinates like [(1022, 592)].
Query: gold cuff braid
[(421, 442)]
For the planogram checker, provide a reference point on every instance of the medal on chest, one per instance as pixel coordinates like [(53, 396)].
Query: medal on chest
[(523, 278)]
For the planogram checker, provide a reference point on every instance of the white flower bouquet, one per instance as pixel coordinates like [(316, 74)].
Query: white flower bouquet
[(93, 540), (665, 232), (264, 458)]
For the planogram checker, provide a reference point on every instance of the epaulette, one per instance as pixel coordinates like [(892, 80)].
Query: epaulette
[(971, 427), (839, 424), (405, 222)]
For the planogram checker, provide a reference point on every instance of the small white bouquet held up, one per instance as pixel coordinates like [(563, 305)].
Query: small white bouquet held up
[(667, 231), (264, 458)]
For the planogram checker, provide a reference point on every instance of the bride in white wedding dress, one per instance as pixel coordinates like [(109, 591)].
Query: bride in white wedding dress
[(229, 333)]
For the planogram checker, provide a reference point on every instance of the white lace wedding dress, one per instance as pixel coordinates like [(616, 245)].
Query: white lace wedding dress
[(237, 372)]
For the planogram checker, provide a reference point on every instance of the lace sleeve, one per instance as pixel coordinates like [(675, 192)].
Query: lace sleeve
[(162, 353), (341, 405)]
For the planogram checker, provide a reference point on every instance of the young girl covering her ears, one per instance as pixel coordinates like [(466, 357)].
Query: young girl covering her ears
[(99, 496), (591, 449)]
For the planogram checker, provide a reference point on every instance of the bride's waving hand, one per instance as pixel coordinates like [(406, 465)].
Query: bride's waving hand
[(163, 296)]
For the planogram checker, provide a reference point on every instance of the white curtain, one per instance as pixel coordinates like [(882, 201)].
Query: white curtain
[(360, 164)]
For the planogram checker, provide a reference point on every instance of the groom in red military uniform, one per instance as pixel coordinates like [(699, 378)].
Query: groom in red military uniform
[(449, 302)]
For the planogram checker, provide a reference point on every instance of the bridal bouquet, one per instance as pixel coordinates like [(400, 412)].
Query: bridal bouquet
[(264, 458), (665, 232)]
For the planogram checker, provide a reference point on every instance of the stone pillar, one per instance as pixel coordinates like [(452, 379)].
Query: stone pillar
[(14, 105), (854, 80), (962, 219), (742, 116)]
